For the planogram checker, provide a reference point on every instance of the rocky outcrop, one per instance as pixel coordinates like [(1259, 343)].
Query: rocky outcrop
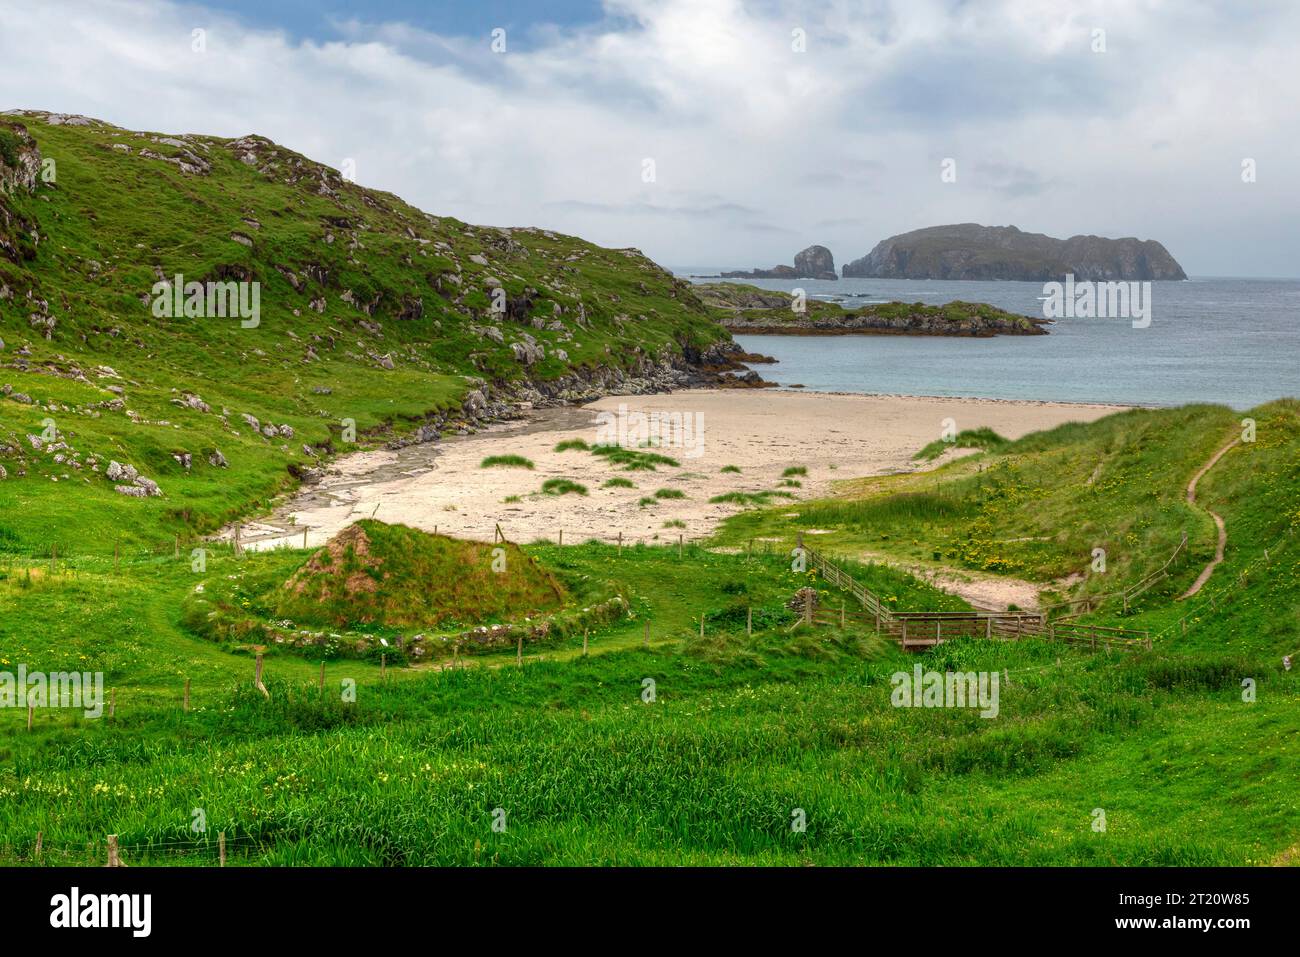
[(20, 170), (815, 262), (971, 251)]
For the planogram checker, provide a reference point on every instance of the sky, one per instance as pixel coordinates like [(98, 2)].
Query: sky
[(722, 133)]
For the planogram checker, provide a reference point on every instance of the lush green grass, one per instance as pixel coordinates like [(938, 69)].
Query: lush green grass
[(741, 732), (509, 461), (562, 486), (982, 438), (633, 460)]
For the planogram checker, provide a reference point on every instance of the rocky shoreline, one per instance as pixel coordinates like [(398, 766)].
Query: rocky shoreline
[(916, 324)]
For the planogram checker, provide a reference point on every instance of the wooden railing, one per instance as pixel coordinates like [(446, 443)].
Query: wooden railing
[(1088, 603), (922, 628), (1100, 636)]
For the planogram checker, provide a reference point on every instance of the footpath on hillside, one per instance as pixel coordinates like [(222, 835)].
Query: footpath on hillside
[(1218, 521)]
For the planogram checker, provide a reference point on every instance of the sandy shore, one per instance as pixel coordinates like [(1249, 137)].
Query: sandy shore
[(834, 436)]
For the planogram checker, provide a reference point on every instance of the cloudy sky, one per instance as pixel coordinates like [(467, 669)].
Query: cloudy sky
[(767, 125)]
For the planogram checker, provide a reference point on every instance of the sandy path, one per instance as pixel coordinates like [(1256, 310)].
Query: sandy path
[(1218, 521), (985, 592), (834, 436)]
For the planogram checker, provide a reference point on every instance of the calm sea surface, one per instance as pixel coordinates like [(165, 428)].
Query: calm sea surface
[(1230, 341)]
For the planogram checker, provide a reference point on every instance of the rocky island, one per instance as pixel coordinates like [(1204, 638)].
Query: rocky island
[(744, 309), (815, 262), (972, 251)]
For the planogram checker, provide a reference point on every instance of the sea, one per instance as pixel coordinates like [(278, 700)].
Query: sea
[(1233, 342)]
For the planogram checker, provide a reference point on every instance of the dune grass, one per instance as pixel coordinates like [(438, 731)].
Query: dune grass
[(508, 461), (562, 486)]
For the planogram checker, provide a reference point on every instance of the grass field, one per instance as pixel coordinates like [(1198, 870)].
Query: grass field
[(669, 707)]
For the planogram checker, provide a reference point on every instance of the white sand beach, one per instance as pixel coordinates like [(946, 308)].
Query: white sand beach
[(834, 436)]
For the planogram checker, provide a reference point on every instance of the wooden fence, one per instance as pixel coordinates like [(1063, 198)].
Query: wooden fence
[(1088, 603), (925, 629)]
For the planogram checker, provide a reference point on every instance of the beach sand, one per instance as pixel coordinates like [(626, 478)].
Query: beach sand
[(834, 436)]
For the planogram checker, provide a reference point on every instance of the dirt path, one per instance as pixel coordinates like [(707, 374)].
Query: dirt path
[(1218, 521), (984, 592)]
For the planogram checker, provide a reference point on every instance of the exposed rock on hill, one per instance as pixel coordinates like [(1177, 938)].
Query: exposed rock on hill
[(972, 251)]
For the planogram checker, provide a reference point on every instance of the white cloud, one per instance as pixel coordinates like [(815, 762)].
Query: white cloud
[(759, 150)]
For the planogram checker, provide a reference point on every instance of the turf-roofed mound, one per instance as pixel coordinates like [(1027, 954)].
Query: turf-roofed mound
[(372, 573)]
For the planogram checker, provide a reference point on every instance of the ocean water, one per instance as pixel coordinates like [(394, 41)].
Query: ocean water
[(1235, 342)]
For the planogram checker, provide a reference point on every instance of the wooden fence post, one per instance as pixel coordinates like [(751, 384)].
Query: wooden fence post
[(304, 538), (679, 544), (620, 543), (383, 665), (988, 627), (40, 840), (584, 642), (113, 860), (561, 538), (31, 711), (842, 613), (239, 549), (749, 621), (904, 634), (186, 703), (221, 849), (257, 677), (519, 651)]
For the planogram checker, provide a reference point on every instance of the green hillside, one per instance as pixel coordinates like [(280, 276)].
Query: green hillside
[(373, 317)]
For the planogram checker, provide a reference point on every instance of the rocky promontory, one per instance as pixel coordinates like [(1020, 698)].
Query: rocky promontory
[(972, 251), (752, 311)]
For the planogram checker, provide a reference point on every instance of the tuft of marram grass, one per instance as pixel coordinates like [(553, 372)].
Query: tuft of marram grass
[(561, 486), (509, 461)]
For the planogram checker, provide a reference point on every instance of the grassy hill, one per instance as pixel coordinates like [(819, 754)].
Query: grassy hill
[(1037, 508), (373, 316)]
